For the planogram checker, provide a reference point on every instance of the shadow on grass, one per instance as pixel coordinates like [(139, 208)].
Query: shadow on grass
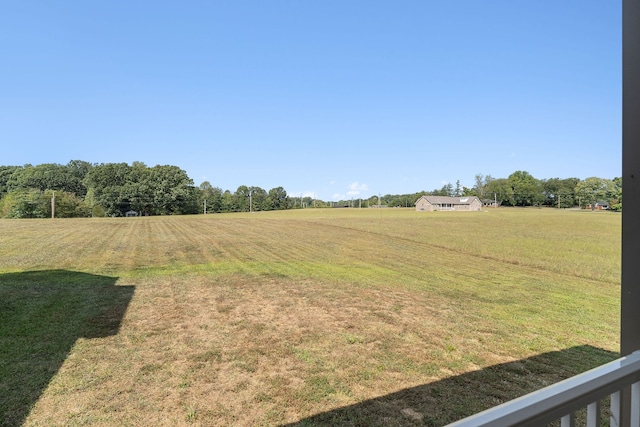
[(42, 314), (454, 398)]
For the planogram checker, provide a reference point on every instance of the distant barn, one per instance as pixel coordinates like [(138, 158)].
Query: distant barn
[(445, 203), (131, 213)]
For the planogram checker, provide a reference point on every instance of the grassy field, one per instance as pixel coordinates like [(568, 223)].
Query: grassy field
[(316, 317)]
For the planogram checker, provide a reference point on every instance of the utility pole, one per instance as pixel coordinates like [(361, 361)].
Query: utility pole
[(495, 200), (205, 206), (378, 201), (250, 202), (53, 205)]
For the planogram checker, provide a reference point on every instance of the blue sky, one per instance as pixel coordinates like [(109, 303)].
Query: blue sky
[(334, 98)]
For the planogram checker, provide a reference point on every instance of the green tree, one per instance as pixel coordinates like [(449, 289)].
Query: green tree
[(466, 191), (481, 184), (458, 190), (228, 201), (446, 190), (616, 200), (212, 195), (160, 190), (107, 183), (69, 205), (6, 173), (593, 190), (137, 192), (559, 192), (76, 170), (172, 191), (260, 200), (95, 209), (241, 199), (527, 190), (500, 189), (26, 203), (278, 198), (51, 176)]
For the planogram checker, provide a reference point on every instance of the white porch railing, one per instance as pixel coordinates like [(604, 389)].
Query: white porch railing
[(561, 401)]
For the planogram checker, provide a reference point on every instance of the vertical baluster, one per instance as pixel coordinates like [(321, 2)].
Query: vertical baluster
[(593, 414), (635, 404), (616, 400), (568, 420)]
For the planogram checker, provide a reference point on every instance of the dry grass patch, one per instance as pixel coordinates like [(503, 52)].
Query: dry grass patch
[(233, 351)]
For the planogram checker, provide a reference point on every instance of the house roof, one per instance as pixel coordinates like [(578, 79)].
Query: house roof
[(439, 200)]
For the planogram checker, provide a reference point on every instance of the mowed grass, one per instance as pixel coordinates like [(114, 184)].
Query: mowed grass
[(315, 317)]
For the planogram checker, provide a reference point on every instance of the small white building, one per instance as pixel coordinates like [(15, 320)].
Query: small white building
[(446, 203), (131, 213)]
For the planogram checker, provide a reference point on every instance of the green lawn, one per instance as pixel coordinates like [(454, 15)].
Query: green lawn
[(314, 317)]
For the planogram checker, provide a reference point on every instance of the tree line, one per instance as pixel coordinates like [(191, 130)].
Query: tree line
[(522, 189), (83, 189)]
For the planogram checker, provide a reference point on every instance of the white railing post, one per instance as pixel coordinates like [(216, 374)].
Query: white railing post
[(616, 407), (635, 405), (568, 420), (593, 414), (615, 419)]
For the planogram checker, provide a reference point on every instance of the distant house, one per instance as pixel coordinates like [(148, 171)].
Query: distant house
[(599, 206), (445, 203), (131, 213), (492, 203)]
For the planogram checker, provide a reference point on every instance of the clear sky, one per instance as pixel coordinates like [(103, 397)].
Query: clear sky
[(337, 98)]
